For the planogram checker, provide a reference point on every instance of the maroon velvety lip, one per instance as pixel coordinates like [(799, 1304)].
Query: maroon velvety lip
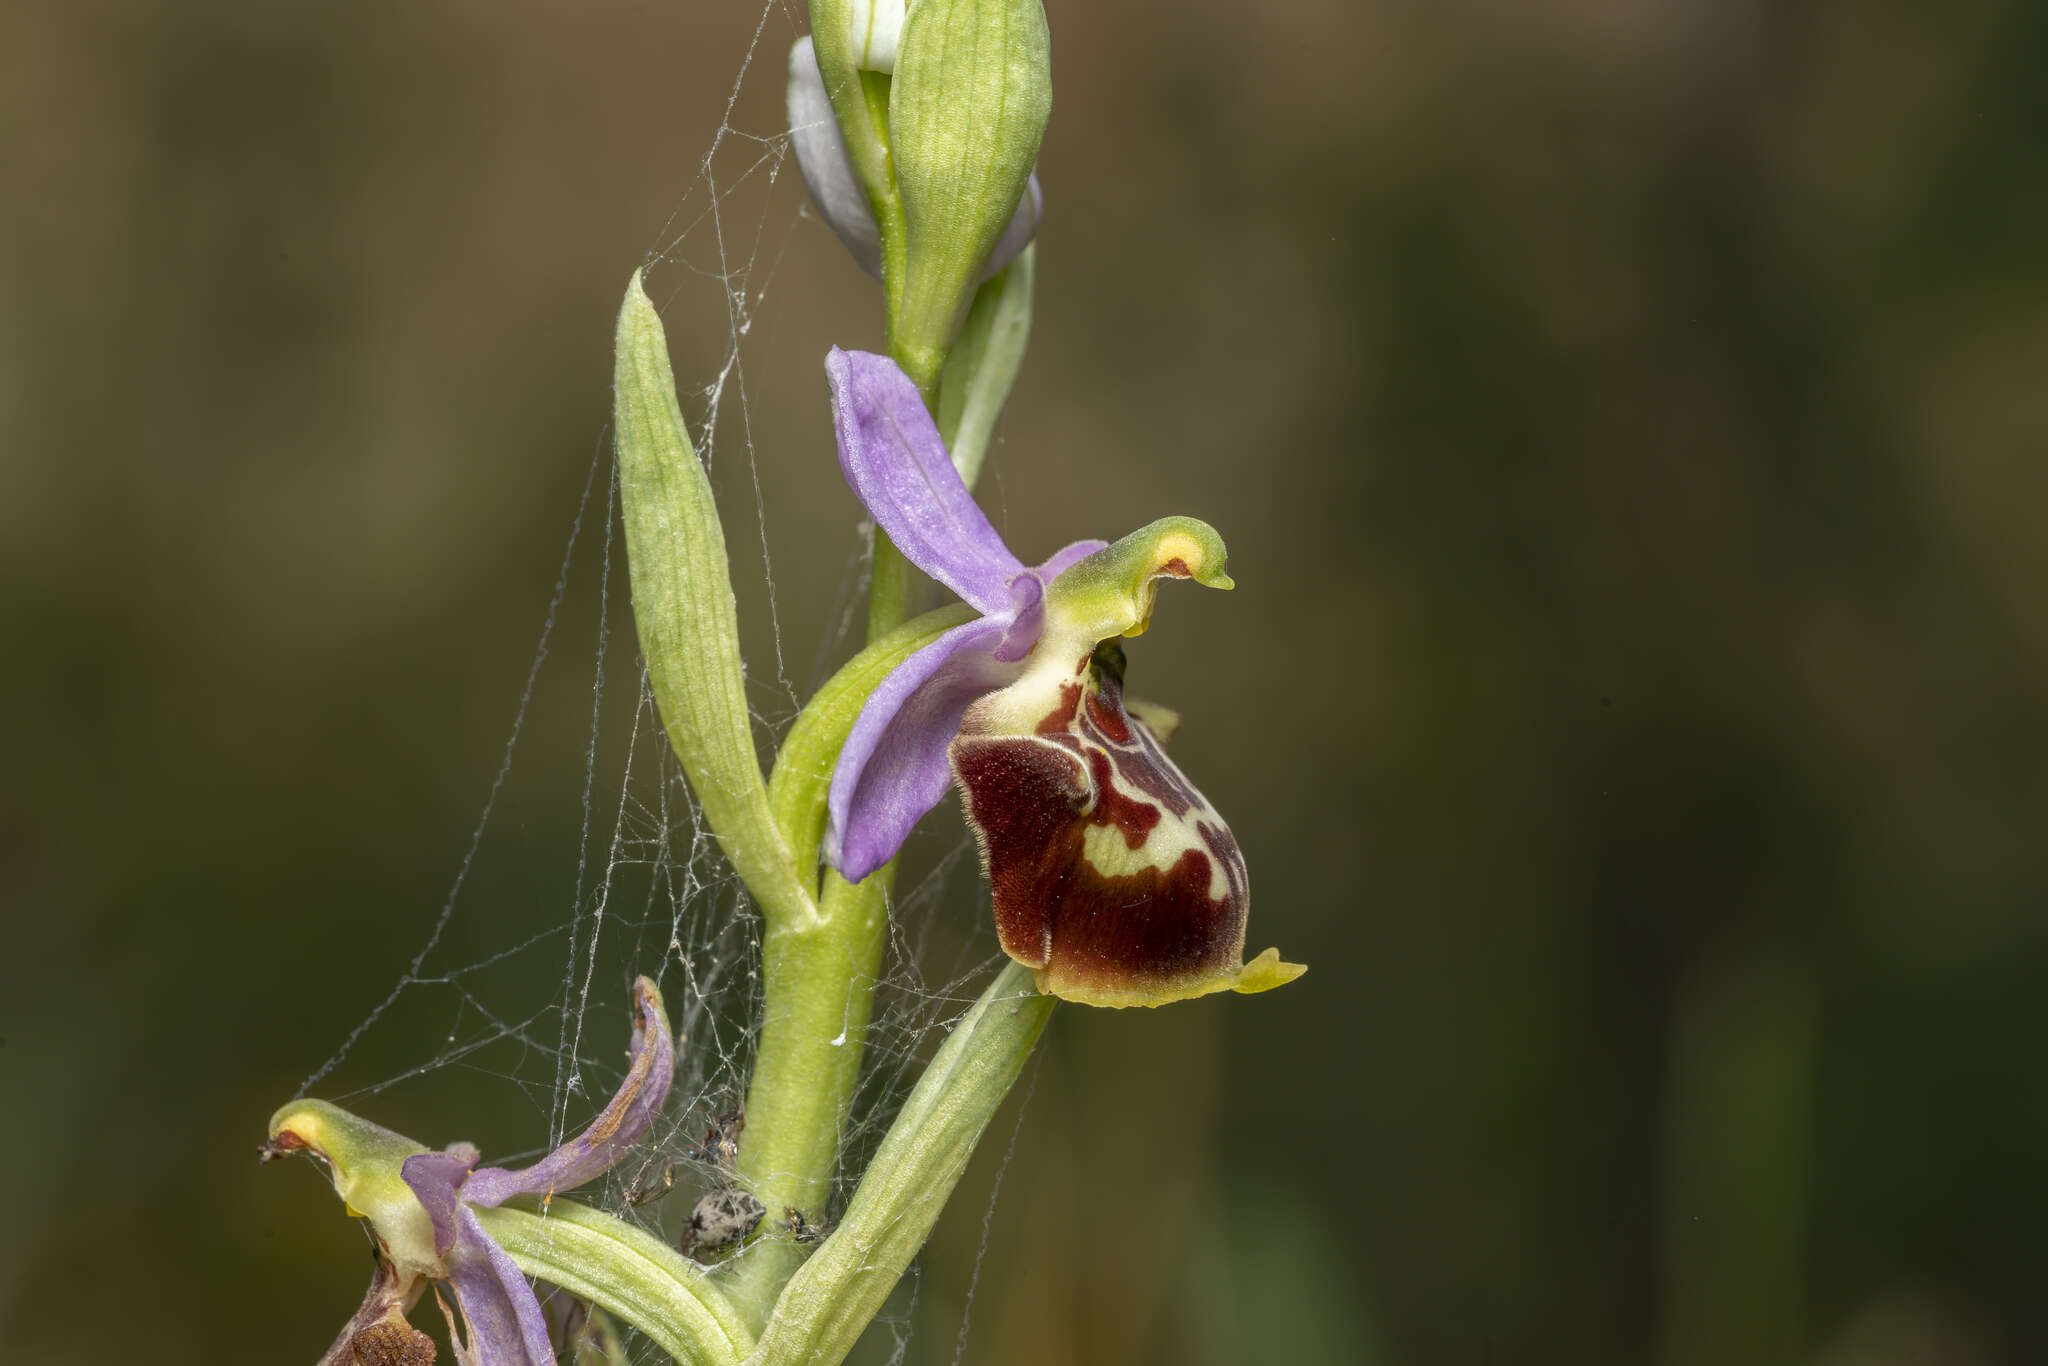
[(1157, 918)]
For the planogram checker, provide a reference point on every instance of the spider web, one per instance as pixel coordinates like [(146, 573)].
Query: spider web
[(536, 1024)]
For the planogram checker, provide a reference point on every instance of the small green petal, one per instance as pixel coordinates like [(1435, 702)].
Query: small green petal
[(1110, 593)]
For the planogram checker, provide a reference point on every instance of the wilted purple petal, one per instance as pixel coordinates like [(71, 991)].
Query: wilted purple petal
[(499, 1308), (891, 453), (624, 1122), (893, 767)]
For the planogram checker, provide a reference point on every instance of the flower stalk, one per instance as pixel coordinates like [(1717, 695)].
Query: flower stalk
[(916, 128)]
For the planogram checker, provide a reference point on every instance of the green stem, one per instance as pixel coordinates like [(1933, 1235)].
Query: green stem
[(819, 989), (888, 587), (819, 980), (832, 1298), (626, 1271)]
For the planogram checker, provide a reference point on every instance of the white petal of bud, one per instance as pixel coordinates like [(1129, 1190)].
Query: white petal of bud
[(876, 26), (827, 169)]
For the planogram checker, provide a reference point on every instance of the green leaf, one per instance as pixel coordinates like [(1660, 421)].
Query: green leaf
[(831, 1299), (627, 1271), (683, 606), (983, 364)]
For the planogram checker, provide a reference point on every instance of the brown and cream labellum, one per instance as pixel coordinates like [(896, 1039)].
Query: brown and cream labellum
[(1112, 875)]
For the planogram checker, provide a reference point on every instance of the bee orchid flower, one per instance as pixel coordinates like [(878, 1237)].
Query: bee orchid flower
[(1112, 875), (420, 1207)]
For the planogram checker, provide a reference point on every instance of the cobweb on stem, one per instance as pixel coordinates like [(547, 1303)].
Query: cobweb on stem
[(518, 995)]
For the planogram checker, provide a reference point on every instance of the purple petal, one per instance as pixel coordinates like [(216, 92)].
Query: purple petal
[(437, 1180), (1066, 557), (890, 449), (500, 1312), (624, 1122), (1027, 599), (1023, 223), (893, 767), (1027, 618)]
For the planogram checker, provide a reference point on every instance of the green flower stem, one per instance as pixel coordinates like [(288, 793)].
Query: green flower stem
[(819, 991), (683, 606), (819, 977), (819, 980), (819, 983), (888, 587), (833, 1296), (626, 1271)]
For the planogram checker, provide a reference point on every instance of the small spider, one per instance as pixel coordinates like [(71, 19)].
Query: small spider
[(801, 1228), (718, 1151), (720, 1218), (721, 1145)]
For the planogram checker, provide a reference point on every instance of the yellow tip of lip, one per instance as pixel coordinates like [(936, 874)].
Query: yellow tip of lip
[(1261, 974), (1266, 972)]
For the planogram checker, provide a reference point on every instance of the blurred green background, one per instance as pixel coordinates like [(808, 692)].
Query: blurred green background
[(1626, 420)]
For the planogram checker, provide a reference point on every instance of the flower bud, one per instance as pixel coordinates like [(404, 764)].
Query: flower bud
[(835, 184), (968, 105)]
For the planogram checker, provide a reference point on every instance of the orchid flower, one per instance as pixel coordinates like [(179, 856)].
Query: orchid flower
[(420, 1206), (1112, 876)]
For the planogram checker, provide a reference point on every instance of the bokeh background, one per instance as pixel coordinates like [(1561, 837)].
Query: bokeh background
[(1627, 420)]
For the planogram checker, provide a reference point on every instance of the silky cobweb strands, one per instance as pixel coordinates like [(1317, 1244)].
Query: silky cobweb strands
[(516, 998)]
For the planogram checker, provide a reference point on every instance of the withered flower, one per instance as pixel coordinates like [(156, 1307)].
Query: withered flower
[(419, 1203)]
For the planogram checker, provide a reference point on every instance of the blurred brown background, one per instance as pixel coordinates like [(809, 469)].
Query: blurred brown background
[(1626, 421)]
